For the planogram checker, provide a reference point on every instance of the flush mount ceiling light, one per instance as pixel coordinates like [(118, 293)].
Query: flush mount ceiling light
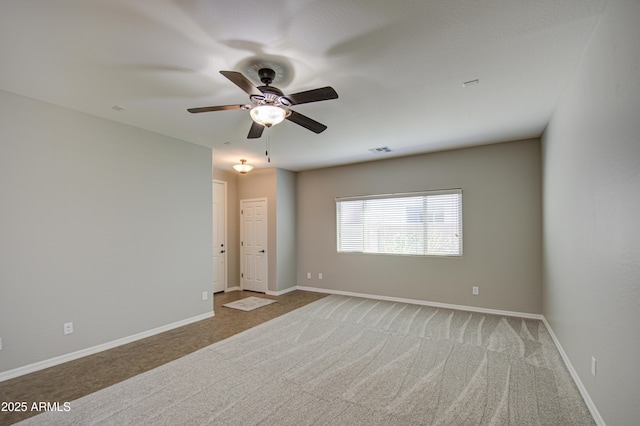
[(243, 167)]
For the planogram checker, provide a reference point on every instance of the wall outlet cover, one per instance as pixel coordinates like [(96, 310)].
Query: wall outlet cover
[(68, 328)]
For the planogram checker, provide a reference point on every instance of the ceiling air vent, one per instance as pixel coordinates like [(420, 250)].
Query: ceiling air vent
[(380, 150)]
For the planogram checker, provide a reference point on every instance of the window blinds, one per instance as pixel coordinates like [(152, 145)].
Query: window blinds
[(419, 223)]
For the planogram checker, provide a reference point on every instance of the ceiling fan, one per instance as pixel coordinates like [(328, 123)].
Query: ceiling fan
[(269, 105)]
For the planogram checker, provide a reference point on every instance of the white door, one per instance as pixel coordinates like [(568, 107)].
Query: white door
[(219, 236), (253, 244)]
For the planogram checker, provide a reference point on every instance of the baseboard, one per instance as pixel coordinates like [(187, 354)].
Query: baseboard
[(424, 303), (574, 375), (268, 292), (281, 292), (41, 365)]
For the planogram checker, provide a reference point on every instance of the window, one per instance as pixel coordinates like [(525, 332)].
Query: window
[(418, 223)]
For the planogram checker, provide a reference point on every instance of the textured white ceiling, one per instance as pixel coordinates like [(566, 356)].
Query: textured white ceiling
[(398, 68)]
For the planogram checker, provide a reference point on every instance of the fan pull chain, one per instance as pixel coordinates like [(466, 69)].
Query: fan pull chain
[(268, 146)]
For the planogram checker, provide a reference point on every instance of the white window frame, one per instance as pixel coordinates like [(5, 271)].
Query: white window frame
[(399, 224)]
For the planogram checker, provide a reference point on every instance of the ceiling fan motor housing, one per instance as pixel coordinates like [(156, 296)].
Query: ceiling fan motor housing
[(270, 95)]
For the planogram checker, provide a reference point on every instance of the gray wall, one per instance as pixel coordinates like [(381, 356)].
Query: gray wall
[(502, 232), (101, 224), (286, 228), (591, 178)]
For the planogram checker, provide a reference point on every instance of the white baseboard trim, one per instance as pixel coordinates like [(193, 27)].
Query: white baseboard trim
[(236, 288), (281, 292), (424, 303), (41, 365), (574, 375)]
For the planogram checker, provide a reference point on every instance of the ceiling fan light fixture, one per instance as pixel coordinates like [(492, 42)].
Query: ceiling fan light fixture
[(268, 115), (269, 105), (243, 167)]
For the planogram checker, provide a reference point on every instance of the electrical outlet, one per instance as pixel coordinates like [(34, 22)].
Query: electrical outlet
[(0, 343), (308, 275), (68, 328), (593, 366), (476, 290), (205, 295), (319, 275)]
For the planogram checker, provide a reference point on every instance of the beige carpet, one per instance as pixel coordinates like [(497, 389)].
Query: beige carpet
[(348, 361), (249, 303)]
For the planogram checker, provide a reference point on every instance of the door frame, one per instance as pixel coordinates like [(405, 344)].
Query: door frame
[(266, 265), (225, 223)]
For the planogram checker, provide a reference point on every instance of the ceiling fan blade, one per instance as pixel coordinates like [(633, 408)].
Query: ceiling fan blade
[(242, 82), (255, 131), (214, 108), (315, 95), (306, 122)]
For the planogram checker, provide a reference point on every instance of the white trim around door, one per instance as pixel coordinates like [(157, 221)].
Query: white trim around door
[(254, 245), (219, 226)]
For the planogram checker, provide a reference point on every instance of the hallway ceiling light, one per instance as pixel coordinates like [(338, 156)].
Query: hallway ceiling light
[(243, 167)]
